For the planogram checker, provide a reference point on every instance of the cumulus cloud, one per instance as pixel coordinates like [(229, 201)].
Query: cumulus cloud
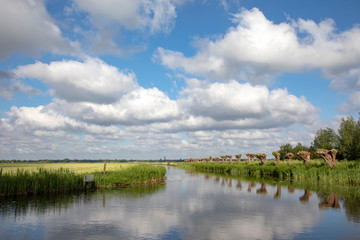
[(92, 80), (25, 26), (138, 107), (234, 105), (257, 49), (234, 116)]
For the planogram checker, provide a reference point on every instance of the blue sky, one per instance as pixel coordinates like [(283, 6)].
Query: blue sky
[(145, 79)]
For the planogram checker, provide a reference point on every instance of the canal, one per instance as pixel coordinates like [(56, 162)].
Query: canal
[(188, 206)]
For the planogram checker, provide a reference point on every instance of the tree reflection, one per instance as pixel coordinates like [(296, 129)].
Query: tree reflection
[(262, 189), (305, 198), (238, 185), (278, 192), (331, 201), (230, 183)]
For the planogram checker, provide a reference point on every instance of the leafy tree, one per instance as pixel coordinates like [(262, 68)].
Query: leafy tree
[(326, 139), (298, 148), (284, 149), (349, 133)]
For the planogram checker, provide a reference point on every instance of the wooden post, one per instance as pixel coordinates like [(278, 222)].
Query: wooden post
[(104, 167)]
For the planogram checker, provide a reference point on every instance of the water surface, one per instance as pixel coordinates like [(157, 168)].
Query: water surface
[(187, 206)]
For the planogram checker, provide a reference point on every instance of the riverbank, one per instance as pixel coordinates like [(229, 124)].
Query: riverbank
[(40, 180), (344, 173)]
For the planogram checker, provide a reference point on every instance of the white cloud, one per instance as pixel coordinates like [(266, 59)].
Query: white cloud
[(138, 107), (234, 105), (92, 80), (25, 26), (9, 86), (152, 15), (257, 49), (352, 104), (147, 123)]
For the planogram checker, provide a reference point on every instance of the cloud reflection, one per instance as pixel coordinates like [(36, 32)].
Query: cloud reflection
[(189, 206)]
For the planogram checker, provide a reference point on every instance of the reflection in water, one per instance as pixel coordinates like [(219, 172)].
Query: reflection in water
[(352, 208), (230, 183), (278, 192), (291, 189), (331, 201), (305, 198), (239, 185), (262, 189), (188, 206)]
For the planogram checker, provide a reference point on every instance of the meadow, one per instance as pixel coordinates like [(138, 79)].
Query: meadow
[(34, 178), (83, 168)]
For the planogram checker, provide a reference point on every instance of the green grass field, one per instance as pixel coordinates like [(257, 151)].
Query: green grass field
[(81, 168)]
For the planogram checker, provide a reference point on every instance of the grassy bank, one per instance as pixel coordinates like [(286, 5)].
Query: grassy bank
[(344, 173), (134, 175), (40, 180)]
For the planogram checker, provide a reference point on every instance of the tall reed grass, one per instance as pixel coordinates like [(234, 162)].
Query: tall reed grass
[(134, 175), (344, 173), (40, 181), (24, 182)]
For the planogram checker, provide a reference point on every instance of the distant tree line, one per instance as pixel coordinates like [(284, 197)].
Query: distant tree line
[(346, 141)]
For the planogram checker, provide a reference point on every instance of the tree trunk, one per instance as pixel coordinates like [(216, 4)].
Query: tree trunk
[(278, 158), (305, 156)]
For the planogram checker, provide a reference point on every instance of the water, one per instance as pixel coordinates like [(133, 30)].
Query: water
[(188, 206)]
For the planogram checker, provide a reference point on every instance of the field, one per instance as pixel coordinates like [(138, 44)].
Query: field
[(81, 168), (33, 178)]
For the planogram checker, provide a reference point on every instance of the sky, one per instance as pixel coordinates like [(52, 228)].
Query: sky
[(148, 79)]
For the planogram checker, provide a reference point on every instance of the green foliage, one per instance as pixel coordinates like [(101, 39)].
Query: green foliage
[(349, 133), (344, 173), (135, 175), (287, 148), (40, 181), (326, 139), (284, 149), (57, 180), (275, 154)]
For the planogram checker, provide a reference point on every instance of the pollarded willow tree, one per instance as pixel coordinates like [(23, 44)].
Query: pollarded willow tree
[(238, 158), (222, 158), (250, 157), (276, 156), (328, 155), (305, 156), (262, 157), (230, 158), (290, 156)]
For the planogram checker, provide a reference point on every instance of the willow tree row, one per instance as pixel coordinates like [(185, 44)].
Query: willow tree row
[(328, 155)]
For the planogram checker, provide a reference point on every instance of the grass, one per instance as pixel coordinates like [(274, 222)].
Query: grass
[(83, 168), (22, 179), (135, 175), (344, 173)]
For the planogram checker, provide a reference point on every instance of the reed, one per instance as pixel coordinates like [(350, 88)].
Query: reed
[(24, 182), (135, 175), (40, 181), (344, 173)]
